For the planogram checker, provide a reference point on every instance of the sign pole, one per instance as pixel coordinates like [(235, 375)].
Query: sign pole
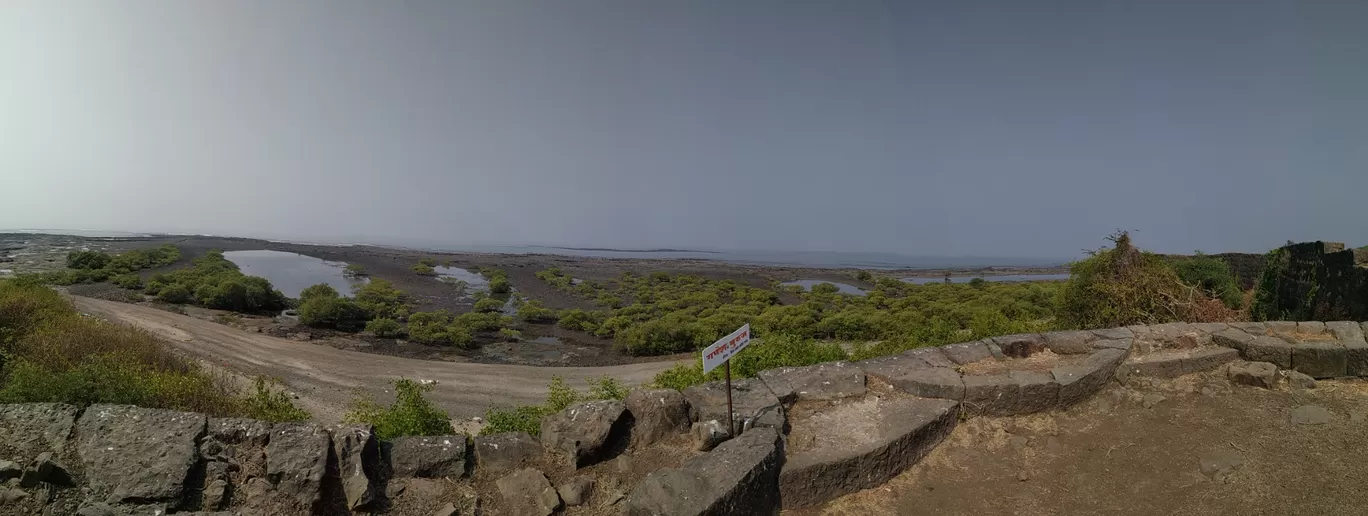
[(731, 417)]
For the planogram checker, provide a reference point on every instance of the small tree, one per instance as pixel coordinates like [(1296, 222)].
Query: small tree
[(424, 269), (411, 413)]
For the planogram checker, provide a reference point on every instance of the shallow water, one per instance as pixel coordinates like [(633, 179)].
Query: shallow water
[(291, 273), (474, 281), (807, 284), (1006, 278)]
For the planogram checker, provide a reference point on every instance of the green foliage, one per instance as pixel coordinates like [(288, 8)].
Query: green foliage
[(768, 353), (576, 319), (87, 260), (355, 270), (559, 396), (1123, 285), (214, 282), (321, 290), (268, 404), (174, 294), (978, 283), (488, 304), (482, 321), (1264, 305), (424, 269), (323, 311), (534, 312), (385, 327), (97, 266), (510, 334), (129, 281), (428, 262), (379, 298), (411, 413), (1212, 276), (863, 275), (438, 327)]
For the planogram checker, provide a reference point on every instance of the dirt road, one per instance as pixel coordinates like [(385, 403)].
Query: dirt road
[(326, 378)]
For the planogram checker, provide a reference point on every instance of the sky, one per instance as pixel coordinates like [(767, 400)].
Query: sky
[(932, 128)]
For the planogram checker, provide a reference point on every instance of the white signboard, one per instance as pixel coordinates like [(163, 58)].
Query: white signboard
[(722, 350)]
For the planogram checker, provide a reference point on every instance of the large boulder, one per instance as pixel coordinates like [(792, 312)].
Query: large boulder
[(1320, 359), (1350, 335), (428, 456), (878, 438), (32, 428), (1263, 348), (657, 414), (138, 454), (741, 476), (232, 430), (297, 459), (527, 492), (754, 404), (991, 394), (504, 452), (1069, 342), (966, 352), (1077, 382), (821, 382), (358, 463), (587, 432), (1020, 345), (1258, 374)]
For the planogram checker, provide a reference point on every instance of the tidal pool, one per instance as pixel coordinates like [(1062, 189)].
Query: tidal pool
[(291, 273), (807, 284)]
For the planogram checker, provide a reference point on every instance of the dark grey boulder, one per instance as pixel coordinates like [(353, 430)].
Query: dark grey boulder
[(1021, 345), (32, 428), (708, 434), (428, 456), (996, 395), (500, 453), (527, 492), (1263, 348), (1320, 359), (586, 432), (1355, 348), (215, 494), (1252, 328), (576, 491), (132, 453), (1298, 380), (880, 439), (755, 405), (1038, 391), (358, 463), (1069, 342), (741, 476), (1213, 327), (1257, 374), (1155, 365), (1208, 358), (9, 469), (44, 469), (931, 355), (1121, 344), (1077, 382), (297, 459), (820, 382), (966, 352), (657, 414), (913, 375), (1114, 334), (232, 430)]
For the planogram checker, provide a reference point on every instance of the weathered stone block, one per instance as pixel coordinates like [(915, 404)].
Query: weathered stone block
[(1069, 342), (820, 382), (914, 376), (1020, 345), (358, 463), (1121, 344), (1159, 365), (1078, 382), (428, 456), (133, 453), (708, 434), (1038, 391), (1281, 327), (1233, 338), (933, 356), (657, 414), (527, 492), (996, 395), (1252, 328), (1312, 327), (879, 439), (1206, 359), (741, 476), (1320, 359), (586, 432), (297, 459), (1212, 327), (755, 405), (966, 352), (1263, 348), (500, 453), (1258, 374), (33, 428), (232, 430), (1114, 334)]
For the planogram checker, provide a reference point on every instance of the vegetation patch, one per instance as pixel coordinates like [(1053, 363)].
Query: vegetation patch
[(213, 281), (527, 418), (97, 266), (410, 414)]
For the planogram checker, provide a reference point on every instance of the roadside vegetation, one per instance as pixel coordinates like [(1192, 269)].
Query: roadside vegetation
[(96, 266), (214, 282), (323, 306), (527, 418), (51, 353), (410, 414)]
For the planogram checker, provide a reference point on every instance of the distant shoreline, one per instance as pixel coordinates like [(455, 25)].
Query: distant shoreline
[(612, 250)]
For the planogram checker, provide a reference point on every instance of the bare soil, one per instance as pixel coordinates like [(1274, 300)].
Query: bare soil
[(1110, 455)]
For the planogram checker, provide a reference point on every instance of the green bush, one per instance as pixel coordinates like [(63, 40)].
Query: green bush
[(321, 311), (174, 294), (437, 327), (354, 270), (385, 327), (559, 396), (1212, 276), (268, 404), (768, 353), (411, 413), (1123, 285), (214, 282), (510, 334), (499, 285), (320, 290), (87, 260), (379, 298), (580, 320), (424, 269), (129, 281), (488, 304), (534, 312), (428, 262), (863, 275)]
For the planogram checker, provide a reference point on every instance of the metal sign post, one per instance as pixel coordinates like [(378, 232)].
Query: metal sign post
[(720, 353)]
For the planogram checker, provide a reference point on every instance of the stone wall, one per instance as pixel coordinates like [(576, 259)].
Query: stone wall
[(1247, 267), (807, 435), (1314, 281)]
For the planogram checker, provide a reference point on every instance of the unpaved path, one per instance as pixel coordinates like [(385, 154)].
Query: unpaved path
[(326, 379)]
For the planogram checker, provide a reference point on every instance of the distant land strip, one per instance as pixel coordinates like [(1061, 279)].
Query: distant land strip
[(609, 249)]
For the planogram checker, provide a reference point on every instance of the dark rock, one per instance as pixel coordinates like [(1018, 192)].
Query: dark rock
[(657, 414), (1207, 359), (8, 470), (1220, 464), (1258, 374), (428, 456), (1311, 327), (586, 432), (1252, 328), (1320, 359), (1309, 415), (527, 492), (1020, 345), (1157, 365), (1233, 338), (996, 395), (912, 375), (933, 356), (708, 434), (45, 469), (1211, 328), (741, 476), (142, 454), (755, 405), (1121, 344), (1263, 348), (1114, 334), (820, 382), (880, 439), (1298, 380), (95, 509), (1038, 391), (446, 510), (215, 494), (1152, 399), (576, 490), (296, 460), (1069, 342), (994, 349), (10, 496), (966, 352), (1078, 382), (1281, 327), (500, 453), (358, 463), (1356, 353), (32, 428), (232, 430)]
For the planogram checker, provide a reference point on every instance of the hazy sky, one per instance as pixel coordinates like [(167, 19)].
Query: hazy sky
[(934, 128)]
